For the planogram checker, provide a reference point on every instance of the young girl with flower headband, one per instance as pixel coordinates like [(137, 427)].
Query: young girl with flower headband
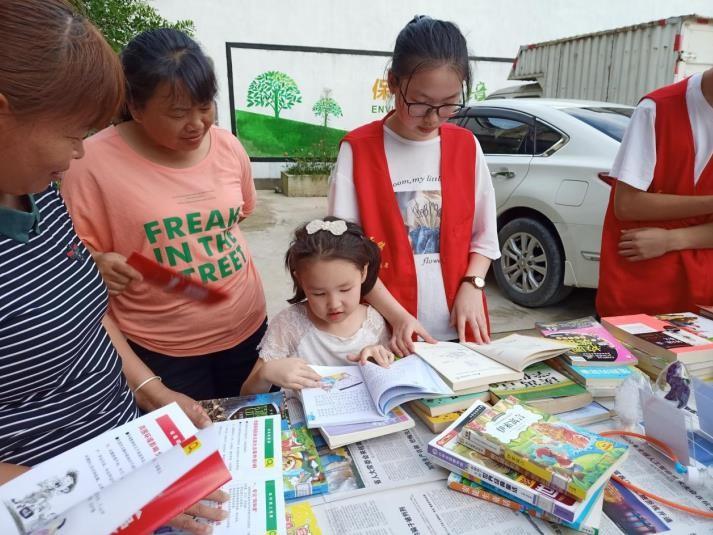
[(333, 265)]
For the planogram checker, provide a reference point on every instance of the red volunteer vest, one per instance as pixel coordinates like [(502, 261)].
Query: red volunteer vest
[(382, 220), (679, 280)]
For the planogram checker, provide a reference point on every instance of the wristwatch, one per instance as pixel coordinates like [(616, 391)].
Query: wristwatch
[(478, 282)]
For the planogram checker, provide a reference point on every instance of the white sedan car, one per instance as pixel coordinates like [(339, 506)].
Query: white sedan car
[(549, 161)]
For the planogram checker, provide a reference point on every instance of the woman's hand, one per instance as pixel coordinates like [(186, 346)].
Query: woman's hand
[(644, 243), (468, 310), (291, 372), (402, 331), (382, 356), (154, 395), (188, 519), (117, 274)]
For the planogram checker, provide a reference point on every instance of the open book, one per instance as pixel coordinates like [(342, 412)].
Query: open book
[(361, 394), (470, 365), (97, 486)]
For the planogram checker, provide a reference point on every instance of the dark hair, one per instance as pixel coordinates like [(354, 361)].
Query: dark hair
[(425, 42), (54, 62), (352, 246), (166, 55)]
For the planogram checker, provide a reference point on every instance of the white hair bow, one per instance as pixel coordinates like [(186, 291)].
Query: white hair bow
[(337, 227)]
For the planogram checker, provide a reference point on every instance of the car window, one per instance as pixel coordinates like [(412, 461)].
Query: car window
[(501, 136), (610, 121), (545, 137)]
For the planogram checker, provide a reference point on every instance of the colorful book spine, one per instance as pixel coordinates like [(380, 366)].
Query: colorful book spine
[(483, 491), (566, 457), (540, 382)]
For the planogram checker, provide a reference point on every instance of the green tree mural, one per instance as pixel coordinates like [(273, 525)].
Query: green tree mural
[(121, 20), (480, 91), (326, 106), (274, 89)]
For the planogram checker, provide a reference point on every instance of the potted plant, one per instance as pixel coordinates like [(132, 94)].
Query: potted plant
[(308, 173)]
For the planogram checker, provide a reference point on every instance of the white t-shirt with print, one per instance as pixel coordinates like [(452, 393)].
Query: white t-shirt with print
[(415, 170), (634, 163), (292, 334)]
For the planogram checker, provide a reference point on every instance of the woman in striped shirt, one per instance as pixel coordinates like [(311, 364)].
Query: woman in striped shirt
[(61, 358)]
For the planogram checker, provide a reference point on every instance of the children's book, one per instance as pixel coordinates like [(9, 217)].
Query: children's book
[(340, 435), (594, 376), (592, 344), (473, 487), (446, 451), (468, 365), (449, 404), (545, 388), (363, 394), (671, 341), (567, 457), (302, 470), (435, 423)]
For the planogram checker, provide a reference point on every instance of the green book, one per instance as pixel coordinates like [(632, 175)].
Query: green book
[(545, 388), (448, 404)]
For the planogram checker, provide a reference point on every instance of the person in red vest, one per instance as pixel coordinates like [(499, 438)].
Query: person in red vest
[(657, 241), (421, 189)]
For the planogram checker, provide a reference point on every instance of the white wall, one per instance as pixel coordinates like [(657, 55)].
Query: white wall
[(494, 28)]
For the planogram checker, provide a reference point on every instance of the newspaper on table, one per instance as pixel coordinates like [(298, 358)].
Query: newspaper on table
[(425, 509)]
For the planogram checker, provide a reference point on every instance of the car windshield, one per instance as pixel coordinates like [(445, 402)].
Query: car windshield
[(610, 121)]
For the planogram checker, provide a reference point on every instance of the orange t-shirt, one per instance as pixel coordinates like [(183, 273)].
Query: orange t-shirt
[(186, 219)]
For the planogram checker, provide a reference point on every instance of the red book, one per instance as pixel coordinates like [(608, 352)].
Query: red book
[(189, 489), (173, 281)]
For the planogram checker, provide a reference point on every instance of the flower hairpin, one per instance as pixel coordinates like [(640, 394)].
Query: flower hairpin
[(337, 227)]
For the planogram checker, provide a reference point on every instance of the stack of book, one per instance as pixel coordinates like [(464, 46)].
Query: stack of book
[(597, 360), (525, 459), (439, 413), (685, 337)]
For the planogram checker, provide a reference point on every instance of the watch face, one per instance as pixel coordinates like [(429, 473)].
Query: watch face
[(479, 282)]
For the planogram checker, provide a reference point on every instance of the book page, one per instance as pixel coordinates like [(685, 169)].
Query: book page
[(53, 487), (518, 352), (407, 378), (342, 399), (457, 362)]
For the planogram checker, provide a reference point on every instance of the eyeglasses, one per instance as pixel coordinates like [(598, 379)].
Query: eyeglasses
[(421, 109)]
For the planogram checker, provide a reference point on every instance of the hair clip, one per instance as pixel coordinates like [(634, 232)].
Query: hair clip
[(337, 228)]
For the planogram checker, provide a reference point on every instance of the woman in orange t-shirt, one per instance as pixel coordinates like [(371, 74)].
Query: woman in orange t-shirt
[(170, 185)]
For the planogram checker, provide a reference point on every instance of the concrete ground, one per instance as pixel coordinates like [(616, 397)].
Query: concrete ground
[(269, 229)]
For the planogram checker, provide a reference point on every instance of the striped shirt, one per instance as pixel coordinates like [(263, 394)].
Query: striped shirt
[(60, 377)]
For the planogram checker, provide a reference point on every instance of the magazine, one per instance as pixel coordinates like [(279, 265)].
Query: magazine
[(363, 394), (96, 486), (593, 344)]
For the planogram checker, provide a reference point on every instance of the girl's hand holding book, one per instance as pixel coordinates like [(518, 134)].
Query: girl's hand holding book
[(402, 332), (378, 353)]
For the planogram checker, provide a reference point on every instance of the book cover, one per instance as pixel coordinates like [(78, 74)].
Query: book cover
[(544, 387), (592, 413), (303, 473), (595, 375), (593, 344), (570, 458), (449, 404), (693, 323), (663, 338), (448, 452)]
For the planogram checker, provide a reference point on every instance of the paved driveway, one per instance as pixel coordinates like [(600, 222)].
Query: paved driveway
[(268, 231)]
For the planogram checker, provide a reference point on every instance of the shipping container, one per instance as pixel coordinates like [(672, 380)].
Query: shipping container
[(619, 65)]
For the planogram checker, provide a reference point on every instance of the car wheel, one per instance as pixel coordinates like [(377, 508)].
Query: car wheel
[(531, 269)]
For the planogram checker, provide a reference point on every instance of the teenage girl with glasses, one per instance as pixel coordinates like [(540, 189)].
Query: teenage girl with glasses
[(421, 189)]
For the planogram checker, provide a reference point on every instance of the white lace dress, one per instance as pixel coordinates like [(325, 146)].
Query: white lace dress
[(292, 334)]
